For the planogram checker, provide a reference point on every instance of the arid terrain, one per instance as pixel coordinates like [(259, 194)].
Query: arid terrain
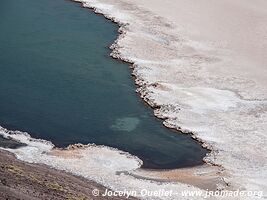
[(19, 180), (202, 66)]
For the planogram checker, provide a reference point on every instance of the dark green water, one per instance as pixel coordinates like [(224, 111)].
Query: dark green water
[(58, 83)]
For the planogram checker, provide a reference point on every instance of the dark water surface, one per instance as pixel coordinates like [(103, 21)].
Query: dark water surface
[(58, 83)]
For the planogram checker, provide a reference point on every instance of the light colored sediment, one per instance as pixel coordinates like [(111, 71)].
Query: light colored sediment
[(20, 180), (106, 166), (202, 66), (206, 177)]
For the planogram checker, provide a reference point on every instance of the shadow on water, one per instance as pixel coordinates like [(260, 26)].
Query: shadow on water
[(58, 83), (11, 144)]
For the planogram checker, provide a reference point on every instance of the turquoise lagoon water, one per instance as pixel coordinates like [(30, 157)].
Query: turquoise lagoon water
[(57, 82)]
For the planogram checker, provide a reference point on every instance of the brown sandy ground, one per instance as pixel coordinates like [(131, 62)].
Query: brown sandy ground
[(19, 180)]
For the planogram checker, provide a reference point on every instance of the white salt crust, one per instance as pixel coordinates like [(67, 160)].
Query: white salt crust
[(199, 78)]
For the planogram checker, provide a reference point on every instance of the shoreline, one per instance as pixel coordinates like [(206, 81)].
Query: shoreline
[(112, 168), (42, 182), (116, 55), (61, 154), (241, 97), (159, 93), (156, 177)]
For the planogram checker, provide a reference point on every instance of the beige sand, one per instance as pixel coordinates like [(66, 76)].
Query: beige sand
[(206, 177)]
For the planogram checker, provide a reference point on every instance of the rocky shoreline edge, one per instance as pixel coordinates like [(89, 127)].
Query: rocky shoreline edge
[(142, 85)]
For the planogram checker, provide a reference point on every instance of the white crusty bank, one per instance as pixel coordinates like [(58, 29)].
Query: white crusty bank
[(203, 66)]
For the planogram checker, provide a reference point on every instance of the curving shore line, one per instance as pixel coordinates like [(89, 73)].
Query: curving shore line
[(110, 167), (204, 72), (194, 83)]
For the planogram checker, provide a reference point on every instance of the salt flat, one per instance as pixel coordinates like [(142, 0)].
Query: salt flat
[(202, 66)]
